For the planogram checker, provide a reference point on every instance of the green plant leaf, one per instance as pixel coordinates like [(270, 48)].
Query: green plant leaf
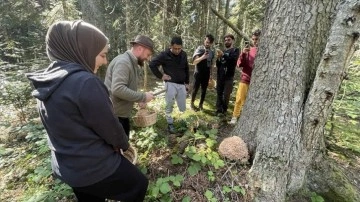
[(226, 189), (219, 164), (175, 159), (155, 191), (316, 198), (186, 199), (210, 143), (238, 189), (194, 169), (199, 136), (203, 159), (211, 176), (160, 181), (178, 179), (196, 157), (209, 195), (165, 188)]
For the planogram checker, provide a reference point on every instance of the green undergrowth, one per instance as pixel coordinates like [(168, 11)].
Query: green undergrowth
[(343, 127), (174, 164), (181, 167)]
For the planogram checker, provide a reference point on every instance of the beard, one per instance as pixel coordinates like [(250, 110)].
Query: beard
[(228, 45), (141, 62)]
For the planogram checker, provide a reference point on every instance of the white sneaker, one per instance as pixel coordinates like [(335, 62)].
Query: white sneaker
[(233, 120)]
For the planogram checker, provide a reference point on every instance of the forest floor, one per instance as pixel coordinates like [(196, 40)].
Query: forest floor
[(24, 158)]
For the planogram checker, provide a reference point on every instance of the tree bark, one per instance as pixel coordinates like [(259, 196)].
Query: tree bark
[(128, 22), (287, 106), (178, 27), (226, 15), (217, 24), (330, 73)]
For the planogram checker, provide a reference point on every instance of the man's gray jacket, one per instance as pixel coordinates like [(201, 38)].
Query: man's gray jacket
[(121, 80)]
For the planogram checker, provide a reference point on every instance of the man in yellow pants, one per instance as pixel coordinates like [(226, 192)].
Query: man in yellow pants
[(246, 64)]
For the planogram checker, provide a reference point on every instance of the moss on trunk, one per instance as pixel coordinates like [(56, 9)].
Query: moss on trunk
[(332, 182)]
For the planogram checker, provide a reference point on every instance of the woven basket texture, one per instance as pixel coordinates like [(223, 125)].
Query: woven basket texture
[(143, 118)]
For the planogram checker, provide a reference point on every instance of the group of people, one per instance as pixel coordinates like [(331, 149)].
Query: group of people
[(226, 62), (88, 120)]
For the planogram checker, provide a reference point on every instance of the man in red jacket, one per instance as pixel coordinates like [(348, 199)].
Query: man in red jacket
[(246, 64)]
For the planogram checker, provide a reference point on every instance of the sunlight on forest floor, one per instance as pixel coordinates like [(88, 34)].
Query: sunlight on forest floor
[(26, 174)]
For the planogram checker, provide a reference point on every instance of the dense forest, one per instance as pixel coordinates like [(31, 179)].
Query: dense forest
[(301, 121)]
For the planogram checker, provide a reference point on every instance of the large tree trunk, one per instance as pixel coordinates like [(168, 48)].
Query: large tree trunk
[(330, 73), (288, 102)]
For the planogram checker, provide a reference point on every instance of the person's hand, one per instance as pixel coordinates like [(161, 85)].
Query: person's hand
[(219, 53), (246, 50), (205, 55), (166, 77), (149, 96), (119, 150), (238, 68), (142, 105)]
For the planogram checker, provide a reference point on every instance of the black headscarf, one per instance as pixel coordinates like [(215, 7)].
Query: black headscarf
[(75, 41)]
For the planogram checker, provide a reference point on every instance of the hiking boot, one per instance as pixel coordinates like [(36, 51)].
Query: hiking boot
[(233, 120), (219, 113), (201, 107), (192, 106), (171, 129)]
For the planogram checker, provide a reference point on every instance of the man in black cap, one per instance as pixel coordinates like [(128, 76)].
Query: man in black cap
[(122, 79)]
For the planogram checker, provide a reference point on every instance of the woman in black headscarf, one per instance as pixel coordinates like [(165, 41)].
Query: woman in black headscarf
[(85, 137)]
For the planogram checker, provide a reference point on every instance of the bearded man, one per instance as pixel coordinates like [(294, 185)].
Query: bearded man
[(122, 78)]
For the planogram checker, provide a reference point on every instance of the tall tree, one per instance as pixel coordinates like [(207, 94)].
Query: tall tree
[(128, 23), (297, 73), (92, 11), (177, 20), (226, 15)]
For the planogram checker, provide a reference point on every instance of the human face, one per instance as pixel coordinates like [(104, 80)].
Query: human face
[(228, 42), (176, 49), (255, 40), (101, 58), (207, 43), (145, 55)]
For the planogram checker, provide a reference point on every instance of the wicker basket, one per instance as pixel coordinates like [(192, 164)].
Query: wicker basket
[(131, 154), (145, 118)]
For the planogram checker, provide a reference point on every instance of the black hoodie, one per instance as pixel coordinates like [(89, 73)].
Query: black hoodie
[(82, 129)]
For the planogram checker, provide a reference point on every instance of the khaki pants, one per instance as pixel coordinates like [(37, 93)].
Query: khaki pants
[(240, 98)]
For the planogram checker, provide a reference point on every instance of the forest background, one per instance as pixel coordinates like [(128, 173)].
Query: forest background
[(24, 154)]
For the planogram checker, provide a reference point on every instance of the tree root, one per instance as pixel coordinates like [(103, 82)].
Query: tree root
[(333, 182)]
